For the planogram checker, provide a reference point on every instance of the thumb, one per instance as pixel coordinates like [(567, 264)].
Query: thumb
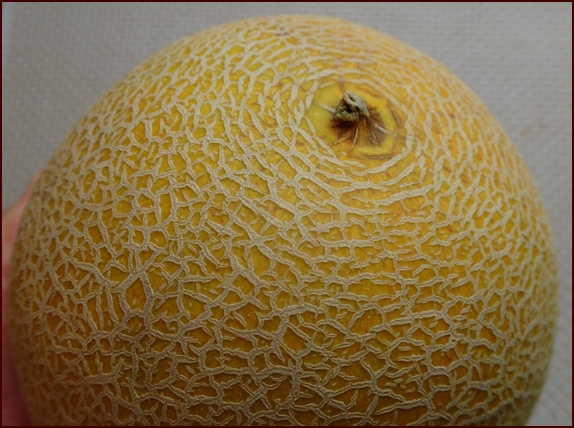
[(13, 409)]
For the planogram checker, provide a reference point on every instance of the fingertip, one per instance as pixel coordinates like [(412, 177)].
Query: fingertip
[(35, 179)]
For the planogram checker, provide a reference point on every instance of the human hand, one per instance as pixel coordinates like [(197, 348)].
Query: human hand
[(13, 410)]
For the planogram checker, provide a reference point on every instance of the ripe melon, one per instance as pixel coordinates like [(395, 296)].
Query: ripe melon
[(284, 220)]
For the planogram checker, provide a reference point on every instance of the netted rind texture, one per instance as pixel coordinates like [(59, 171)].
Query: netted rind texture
[(198, 251)]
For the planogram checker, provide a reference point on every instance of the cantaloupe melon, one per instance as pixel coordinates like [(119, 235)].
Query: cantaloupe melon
[(284, 220)]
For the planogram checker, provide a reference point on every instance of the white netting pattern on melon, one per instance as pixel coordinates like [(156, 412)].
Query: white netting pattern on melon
[(200, 254)]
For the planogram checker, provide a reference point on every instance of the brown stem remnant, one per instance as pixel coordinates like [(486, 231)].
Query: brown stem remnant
[(353, 114)]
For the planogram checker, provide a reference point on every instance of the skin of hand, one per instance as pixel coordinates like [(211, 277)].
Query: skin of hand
[(13, 409)]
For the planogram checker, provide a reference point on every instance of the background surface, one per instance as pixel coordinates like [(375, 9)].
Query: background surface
[(58, 59)]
